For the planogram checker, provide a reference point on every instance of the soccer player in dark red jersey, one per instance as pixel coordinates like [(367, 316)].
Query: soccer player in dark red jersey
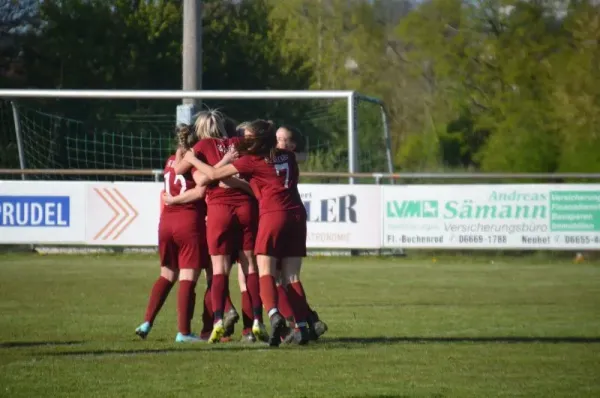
[(290, 286), (273, 175), (230, 211), (181, 242)]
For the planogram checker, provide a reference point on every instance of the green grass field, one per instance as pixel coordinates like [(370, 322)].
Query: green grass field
[(456, 327)]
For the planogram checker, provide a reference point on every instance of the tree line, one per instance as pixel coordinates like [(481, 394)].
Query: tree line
[(469, 85)]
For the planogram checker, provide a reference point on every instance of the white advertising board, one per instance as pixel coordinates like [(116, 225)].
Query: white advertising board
[(342, 216), (42, 212), (123, 214), (527, 216)]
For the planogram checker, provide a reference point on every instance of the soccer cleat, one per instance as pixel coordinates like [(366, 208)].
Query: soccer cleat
[(187, 338), (143, 330), (248, 338), (260, 331), (298, 336), (229, 321), (204, 336), (316, 326), (277, 329), (320, 328), (217, 332), (286, 332)]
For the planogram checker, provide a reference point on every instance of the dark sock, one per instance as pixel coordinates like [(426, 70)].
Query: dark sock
[(254, 290), (158, 295), (310, 310), (284, 303), (246, 310), (207, 313), (298, 301), (268, 293), (217, 291), (184, 296), (193, 301)]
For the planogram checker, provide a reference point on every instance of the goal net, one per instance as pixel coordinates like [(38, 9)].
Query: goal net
[(138, 134)]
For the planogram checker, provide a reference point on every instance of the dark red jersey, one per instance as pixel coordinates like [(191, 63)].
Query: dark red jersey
[(177, 184), (274, 182), (211, 151)]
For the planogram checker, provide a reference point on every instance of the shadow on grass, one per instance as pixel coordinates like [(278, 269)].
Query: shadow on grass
[(23, 344), (452, 339), (188, 348), (338, 342)]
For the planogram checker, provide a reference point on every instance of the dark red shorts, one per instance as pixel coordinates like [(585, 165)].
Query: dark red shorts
[(182, 241), (282, 234), (227, 224)]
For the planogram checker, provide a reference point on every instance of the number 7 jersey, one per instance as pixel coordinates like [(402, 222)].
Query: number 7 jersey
[(273, 181)]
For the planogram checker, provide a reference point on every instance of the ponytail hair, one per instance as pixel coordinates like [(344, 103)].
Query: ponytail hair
[(263, 142), (186, 137)]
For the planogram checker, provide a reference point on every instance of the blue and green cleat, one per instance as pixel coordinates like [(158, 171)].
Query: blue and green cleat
[(189, 338), (143, 330)]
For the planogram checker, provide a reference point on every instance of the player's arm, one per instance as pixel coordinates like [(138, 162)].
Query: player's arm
[(210, 172), (192, 195), (238, 183), (182, 165), (233, 182)]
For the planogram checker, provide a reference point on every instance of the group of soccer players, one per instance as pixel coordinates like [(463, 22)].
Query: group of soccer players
[(231, 195)]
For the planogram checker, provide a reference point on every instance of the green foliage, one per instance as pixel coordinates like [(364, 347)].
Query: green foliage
[(491, 85), (513, 81)]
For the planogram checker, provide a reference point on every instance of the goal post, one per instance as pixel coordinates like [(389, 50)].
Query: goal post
[(356, 125)]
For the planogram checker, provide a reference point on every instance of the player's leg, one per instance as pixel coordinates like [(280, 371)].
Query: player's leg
[(316, 326), (291, 277), (204, 260), (163, 285), (218, 225), (284, 303), (248, 280), (295, 233), (268, 248), (268, 292), (189, 259), (207, 312), (187, 282), (247, 336), (247, 216), (230, 315), (158, 295)]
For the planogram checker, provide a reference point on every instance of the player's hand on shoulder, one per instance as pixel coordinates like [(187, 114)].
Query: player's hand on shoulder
[(231, 155)]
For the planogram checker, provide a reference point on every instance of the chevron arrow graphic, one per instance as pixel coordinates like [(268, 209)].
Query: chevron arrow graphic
[(123, 213)]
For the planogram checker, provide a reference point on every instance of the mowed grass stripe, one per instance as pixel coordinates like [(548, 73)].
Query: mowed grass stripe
[(398, 327)]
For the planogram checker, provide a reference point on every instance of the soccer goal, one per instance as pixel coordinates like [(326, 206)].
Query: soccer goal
[(133, 130)]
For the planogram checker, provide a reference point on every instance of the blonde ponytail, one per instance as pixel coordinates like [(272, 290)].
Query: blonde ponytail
[(186, 137)]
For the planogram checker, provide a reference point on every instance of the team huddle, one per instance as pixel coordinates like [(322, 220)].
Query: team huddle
[(231, 196)]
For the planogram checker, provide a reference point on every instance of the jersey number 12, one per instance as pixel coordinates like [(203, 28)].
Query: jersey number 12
[(178, 179)]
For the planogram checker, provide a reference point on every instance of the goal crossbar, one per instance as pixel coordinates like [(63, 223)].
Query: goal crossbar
[(176, 94), (350, 96)]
